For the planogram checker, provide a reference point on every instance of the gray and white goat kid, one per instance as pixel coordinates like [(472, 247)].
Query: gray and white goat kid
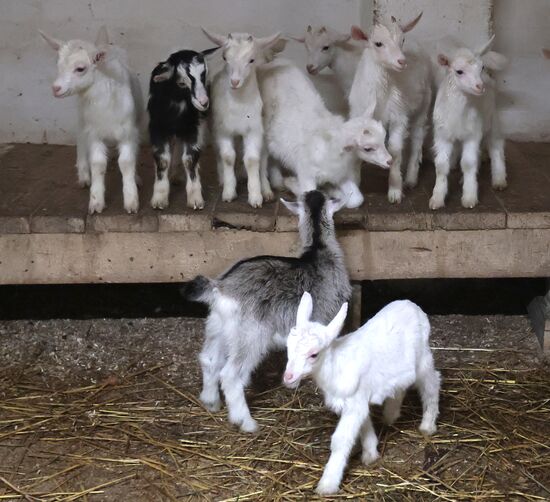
[(109, 109), (394, 87), (253, 305), (375, 364), (237, 112), (465, 113), (178, 105), (328, 48)]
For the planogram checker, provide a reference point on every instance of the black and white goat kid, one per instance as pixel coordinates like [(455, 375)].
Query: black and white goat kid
[(178, 105)]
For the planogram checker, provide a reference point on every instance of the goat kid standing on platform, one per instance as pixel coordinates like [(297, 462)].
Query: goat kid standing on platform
[(465, 113), (326, 47), (253, 305), (375, 364), (237, 112), (395, 88), (178, 104), (109, 109)]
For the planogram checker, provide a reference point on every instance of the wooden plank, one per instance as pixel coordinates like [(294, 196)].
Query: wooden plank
[(179, 256)]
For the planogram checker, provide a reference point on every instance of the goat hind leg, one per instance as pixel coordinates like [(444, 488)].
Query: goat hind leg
[(193, 187), (127, 166), (161, 189)]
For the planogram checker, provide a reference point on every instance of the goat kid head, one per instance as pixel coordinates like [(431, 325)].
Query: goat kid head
[(307, 340), (367, 138), (468, 69), (240, 52), (386, 41), (315, 215), (320, 46), (189, 71), (77, 61)]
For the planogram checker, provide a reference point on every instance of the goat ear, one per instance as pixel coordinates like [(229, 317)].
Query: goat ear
[(309, 29), (300, 40), (99, 57), (409, 26), (165, 72), (305, 308), (334, 205), (484, 48), (102, 37), (279, 45), (494, 61), (358, 34), (208, 52), (54, 43), (342, 37), (215, 37), (293, 207), (443, 60), (546, 53), (265, 42), (335, 326)]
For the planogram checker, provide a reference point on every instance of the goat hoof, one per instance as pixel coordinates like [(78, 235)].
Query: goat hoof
[(410, 183), (268, 196), (250, 426), (436, 203), (395, 195), (427, 430), (500, 185), (213, 406), (255, 201), (469, 202), (326, 488), (368, 457), (96, 207), (159, 202), (84, 183), (132, 207)]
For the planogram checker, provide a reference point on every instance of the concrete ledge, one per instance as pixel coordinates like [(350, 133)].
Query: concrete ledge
[(179, 256)]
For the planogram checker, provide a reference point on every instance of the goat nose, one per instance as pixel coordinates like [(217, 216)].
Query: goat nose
[(389, 162), (480, 87), (402, 61), (310, 68), (287, 377), (235, 82), (56, 89)]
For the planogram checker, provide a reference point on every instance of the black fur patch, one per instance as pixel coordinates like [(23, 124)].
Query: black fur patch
[(315, 201)]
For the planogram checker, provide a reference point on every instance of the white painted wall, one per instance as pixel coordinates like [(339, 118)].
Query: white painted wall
[(151, 30)]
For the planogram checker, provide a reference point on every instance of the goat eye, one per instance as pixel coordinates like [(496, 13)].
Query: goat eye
[(251, 61), (369, 149), (313, 356), (459, 72), (80, 69), (379, 44), (326, 48)]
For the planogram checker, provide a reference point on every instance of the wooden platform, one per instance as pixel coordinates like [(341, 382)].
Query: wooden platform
[(47, 237)]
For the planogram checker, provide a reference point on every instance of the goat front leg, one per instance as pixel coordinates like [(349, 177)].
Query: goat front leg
[(127, 165), (418, 133), (82, 161), (193, 187), (226, 158), (98, 164), (469, 164), (351, 193), (341, 443), (443, 153), (395, 147), (252, 145), (161, 189)]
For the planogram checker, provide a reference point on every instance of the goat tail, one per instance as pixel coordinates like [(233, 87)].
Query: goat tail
[(200, 289)]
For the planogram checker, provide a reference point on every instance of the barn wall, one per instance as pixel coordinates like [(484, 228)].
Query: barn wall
[(150, 30)]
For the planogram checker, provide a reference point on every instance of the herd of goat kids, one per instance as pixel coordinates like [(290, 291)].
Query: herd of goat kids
[(291, 140)]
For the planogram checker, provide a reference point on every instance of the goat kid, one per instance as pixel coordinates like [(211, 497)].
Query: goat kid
[(317, 146), (396, 88), (253, 305), (109, 109), (237, 112), (465, 112), (374, 365), (178, 105), (328, 48)]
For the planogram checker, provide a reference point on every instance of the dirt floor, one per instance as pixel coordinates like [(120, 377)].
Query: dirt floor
[(107, 410)]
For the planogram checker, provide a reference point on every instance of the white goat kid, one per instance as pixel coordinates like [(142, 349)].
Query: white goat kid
[(109, 107), (306, 138), (395, 88), (465, 112), (328, 48), (237, 111), (374, 365)]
